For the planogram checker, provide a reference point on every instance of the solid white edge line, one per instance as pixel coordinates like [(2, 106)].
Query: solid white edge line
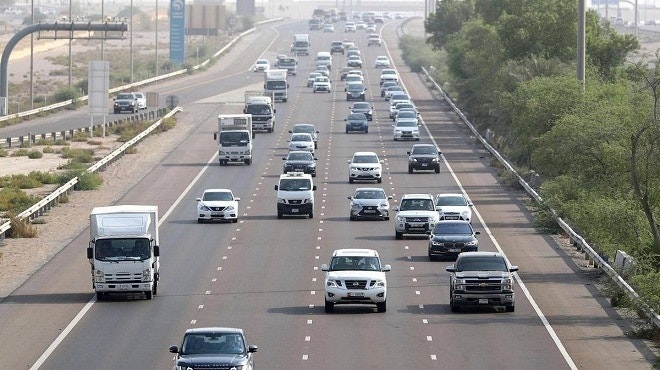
[(523, 288), (44, 356)]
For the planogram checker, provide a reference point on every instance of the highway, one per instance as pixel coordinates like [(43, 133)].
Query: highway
[(263, 274)]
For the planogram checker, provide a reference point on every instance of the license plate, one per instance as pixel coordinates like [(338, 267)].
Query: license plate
[(295, 210), (454, 250), (416, 225), (124, 287), (215, 214), (369, 211), (356, 294), (425, 164), (483, 300)]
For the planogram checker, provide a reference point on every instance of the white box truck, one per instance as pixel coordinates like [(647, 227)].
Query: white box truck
[(275, 83), (261, 108), (234, 138), (124, 250), (301, 44)]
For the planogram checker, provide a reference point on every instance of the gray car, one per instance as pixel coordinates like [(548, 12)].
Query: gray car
[(357, 122), (208, 347), (363, 107), (449, 238), (306, 128), (300, 161), (355, 91), (369, 203)]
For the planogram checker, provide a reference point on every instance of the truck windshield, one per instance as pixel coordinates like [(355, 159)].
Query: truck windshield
[(487, 263), (258, 109), (132, 249), (234, 138), (276, 85), (295, 185)]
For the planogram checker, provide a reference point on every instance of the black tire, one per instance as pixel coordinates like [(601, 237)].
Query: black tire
[(386, 218), (398, 235), (410, 169), (223, 162), (437, 169), (101, 296), (366, 131), (381, 306), (329, 307), (454, 307), (279, 215), (350, 180), (148, 295), (379, 181), (352, 218), (248, 162), (347, 131), (235, 220), (155, 289), (311, 215), (200, 221), (511, 308)]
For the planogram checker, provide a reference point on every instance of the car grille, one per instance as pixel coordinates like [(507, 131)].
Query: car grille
[(483, 285), (417, 219), (366, 168), (209, 366), (295, 201), (424, 160), (355, 284), (217, 209)]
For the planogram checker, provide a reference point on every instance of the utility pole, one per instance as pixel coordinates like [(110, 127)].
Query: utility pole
[(131, 36), (581, 32), (70, 41), (32, 61)]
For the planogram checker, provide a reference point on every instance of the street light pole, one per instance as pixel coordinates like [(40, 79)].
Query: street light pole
[(103, 21), (32, 62), (157, 69), (70, 41), (131, 41)]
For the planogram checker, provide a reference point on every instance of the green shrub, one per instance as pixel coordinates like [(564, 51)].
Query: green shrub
[(35, 154), (15, 200), (21, 228), (78, 155), (80, 136), (20, 153), (88, 181), (3, 153), (45, 177), (167, 124)]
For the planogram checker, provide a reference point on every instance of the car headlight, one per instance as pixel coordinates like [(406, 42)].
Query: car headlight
[(435, 160), (459, 284), (471, 243), (379, 284), (436, 243), (465, 214), (204, 208), (281, 200), (384, 205), (507, 284), (230, 209), (355, 206), (332, 283), (400, 219)]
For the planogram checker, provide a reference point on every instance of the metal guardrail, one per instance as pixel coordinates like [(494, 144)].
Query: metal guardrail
[(39, 208), (576, 239)]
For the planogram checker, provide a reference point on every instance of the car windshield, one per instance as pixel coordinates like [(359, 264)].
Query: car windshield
[(355, 87), (406, 124), (213, 343), (394, 88), (425, 149), (303, 129), (295, 184), (417, 205), (217, 196), (369, 194), (486, 263), (312, 76), (388, 72), (353, 78), (306, 156), (452, 228), (400, 97), (451, 200), (301, 138), (125, 97), (406, 115), (365, 159), (345, 263), (361, 106), (130, 249)]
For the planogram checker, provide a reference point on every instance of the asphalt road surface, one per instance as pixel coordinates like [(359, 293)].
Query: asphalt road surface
[(263, 274)]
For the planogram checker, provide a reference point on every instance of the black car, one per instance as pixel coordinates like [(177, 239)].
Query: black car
[(206, 348), (300, 161), (357, 122), (424, 157), (449, 238), (355, 91), (125, 102), (336, 47), (363, 107)]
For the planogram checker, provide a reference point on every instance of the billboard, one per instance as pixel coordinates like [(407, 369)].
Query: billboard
[(177, 31)]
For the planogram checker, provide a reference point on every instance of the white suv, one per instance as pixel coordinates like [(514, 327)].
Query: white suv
[(295, 195), (365, 166), (355, 276), (416, 214)]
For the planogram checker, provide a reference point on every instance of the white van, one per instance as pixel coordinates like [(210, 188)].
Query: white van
[(295, 195), (324, 58)]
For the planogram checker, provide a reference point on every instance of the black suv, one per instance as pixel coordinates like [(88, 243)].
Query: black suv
[(424, 157), (363, 107), (449, 238), (355, 91), (208, 347), (336, 47), (299, 161)]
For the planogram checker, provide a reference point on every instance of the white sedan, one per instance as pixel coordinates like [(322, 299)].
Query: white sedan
[(261, 65), (382, 62), (302, 141), (217, 204), (405, 130)]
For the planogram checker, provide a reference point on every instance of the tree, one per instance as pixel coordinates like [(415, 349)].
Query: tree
[(447, 19)]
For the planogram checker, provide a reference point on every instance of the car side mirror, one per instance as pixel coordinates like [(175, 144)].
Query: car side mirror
[(395, 209), (314, 187), (237, 199), (325, 267), (284, 158), (349, 197), (174, 349), (513, 268), (199, 199), (291, 131), (386, 268), (275, 187), (450, 268), (408, 153), (389, 197), (477, 232)]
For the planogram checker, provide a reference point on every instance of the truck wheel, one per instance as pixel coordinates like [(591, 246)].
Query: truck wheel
[(155, 289), (200, 220), (454, 307), (101, 296), (398, 235), (350, 180), (381, 306), (511, 308), (248, 162), (329, 307), (147, 295)]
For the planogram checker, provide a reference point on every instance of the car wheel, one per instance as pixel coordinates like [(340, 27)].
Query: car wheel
[(398, 235), (200, 220), (352, 218), (314, 91), (223, 162), (381, 306), (329, 307), (350, 180), (311, 214), (279, 214), (511, 308), (379, 181), (437, 169), (347, 131), (454, 307), (248, 162), (234, 220), (410, 169), (366, 131)]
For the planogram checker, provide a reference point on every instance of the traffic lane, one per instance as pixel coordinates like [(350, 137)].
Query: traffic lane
[(555, 301)]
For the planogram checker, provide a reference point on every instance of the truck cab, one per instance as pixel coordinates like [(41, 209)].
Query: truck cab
[(234, 138)]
